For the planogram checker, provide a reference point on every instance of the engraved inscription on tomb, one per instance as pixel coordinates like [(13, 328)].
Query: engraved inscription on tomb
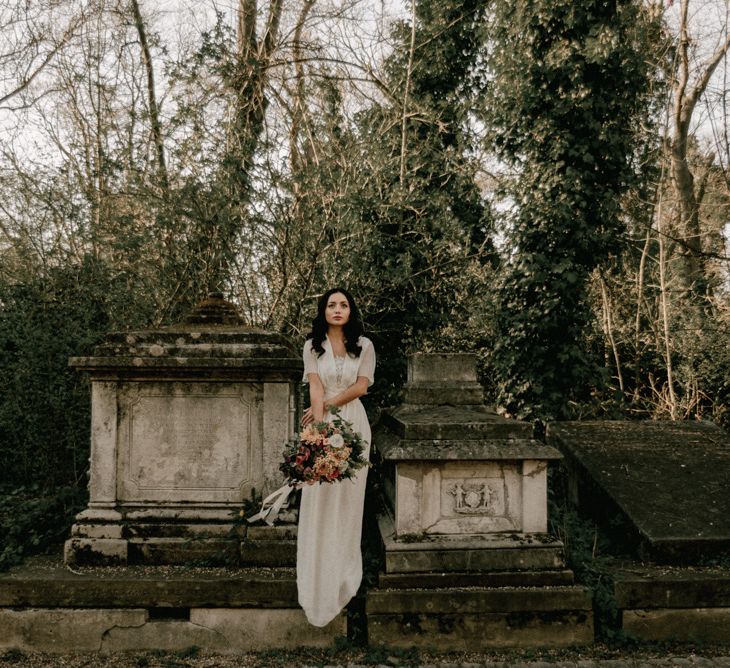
[(180, 444)]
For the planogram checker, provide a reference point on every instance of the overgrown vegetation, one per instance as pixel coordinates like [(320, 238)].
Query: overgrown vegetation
[(474, 195)]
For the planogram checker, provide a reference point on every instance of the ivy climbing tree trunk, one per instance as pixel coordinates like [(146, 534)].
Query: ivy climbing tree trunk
[(556, 118)]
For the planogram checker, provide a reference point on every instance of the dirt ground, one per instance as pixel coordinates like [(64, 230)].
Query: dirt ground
[(596, 656)]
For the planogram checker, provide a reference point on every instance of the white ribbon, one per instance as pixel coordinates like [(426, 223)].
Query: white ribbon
[(272, 505)]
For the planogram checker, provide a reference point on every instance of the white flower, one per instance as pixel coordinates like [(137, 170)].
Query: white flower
[(336, 440)]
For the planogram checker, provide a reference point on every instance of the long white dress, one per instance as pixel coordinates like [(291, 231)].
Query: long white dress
[(329, 562)]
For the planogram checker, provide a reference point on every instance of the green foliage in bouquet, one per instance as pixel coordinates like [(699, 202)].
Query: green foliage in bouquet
[(325, 451)]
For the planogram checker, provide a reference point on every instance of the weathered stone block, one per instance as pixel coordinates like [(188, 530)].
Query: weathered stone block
[(470, 632), (681, 624), (63, 629), (476, 600), (96, 530), (485, 552), (667, 482), (40, 583), (186, 419), (269, 552), (96, 551), (657, 587), (253, 629), (164, 550), (534, 578)]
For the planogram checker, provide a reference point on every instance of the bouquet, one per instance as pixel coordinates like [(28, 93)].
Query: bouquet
[(325, 451)]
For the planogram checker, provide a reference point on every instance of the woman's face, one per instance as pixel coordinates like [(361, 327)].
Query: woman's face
[(337, 311)]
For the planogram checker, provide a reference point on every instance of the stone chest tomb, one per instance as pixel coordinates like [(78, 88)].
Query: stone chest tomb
[(187, 422), (468, 558), (457, 474)]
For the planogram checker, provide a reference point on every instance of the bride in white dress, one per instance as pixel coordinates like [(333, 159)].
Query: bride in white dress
[(339, 364)]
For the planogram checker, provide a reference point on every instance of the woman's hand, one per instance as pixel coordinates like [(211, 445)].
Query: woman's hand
[(308, 417)]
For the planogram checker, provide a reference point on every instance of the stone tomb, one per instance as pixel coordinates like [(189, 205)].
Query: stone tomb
[(663, 490), (187, 422), (668, 481), (468, 560)]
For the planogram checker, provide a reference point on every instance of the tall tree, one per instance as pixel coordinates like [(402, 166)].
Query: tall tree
[(419, 191), (557, 119)]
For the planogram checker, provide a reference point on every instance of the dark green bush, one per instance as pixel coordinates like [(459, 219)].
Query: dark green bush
[(31, 519)]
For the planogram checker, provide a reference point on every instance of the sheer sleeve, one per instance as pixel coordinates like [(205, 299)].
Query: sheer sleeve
[(367, 361), (310, 361)]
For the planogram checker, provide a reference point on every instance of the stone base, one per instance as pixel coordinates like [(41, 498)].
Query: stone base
[(47, 607), (495, 552), (690, 604), (475, 619), (96, 552), (177, 536), (679, 624), (112, 630), (270, 546)]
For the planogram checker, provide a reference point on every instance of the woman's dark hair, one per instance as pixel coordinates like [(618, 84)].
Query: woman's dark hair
[(353, 328)]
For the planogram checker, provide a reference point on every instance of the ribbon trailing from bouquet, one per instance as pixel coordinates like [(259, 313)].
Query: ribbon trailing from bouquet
[(272, 504)]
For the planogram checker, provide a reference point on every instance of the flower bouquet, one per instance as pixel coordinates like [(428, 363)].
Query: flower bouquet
[(326, 451)]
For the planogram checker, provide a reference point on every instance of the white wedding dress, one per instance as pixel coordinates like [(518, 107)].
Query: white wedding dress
[(329, 562)]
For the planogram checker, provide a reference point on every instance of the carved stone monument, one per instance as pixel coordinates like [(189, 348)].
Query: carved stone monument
[(186, 422), (464, 531), (457, 471)]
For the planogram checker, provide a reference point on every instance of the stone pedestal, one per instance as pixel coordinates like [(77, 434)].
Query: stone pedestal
[(187, 422), (458, 476), (466, 507)]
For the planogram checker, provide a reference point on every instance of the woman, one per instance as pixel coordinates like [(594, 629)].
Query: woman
[(339, 363)]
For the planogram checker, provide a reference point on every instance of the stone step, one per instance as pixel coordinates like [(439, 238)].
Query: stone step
[(537, 578), (43, 583), (662, 603), (103, 630), (493, 552), (163, 550), (465, 619), (478, 599), (268, 552), (663, 587)]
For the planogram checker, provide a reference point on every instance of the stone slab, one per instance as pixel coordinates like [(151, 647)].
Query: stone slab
[(125, 367), (684, 624), (276, 532), (63, 629), (228, 630), (167, 550), (494, 552), (393, 448), (657, 587), (546, 578), (668, 479), (44, 582), (215, 629), (453, 422), (96, 551), (474, 600), (268, 552), (469, 394), (473, 632)]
